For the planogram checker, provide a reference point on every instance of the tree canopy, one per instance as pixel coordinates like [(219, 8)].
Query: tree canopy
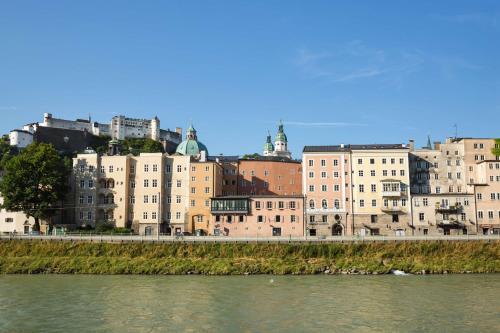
[(35, 182), (137, 146), (496, 150)]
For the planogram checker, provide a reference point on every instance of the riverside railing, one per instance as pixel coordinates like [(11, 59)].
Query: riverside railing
[(106, 238)]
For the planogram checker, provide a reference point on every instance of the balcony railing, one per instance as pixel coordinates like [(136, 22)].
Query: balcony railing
[(448, 208), (394, 209), (393, 193)]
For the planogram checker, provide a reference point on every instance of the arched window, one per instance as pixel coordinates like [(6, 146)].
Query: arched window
[(324, 204), (336, 204), (311, 204)]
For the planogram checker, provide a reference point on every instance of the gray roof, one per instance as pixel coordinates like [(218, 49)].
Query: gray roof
[(349, 147)]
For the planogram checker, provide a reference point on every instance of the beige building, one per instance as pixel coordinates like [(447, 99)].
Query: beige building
[(380, 190), (487, 186), (445, 178)]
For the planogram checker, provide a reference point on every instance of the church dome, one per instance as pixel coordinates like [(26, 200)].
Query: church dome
[(191, 146)]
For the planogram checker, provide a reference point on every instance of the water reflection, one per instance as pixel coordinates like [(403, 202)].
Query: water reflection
[(249, 304)]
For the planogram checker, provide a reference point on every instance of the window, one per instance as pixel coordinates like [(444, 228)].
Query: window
[(335, 174), (401, 173), (110, 169), (132, 169), (82, 168), (82, 199), (292, 205), (384, 161), (179, 183), (91, 183), (293, 218), (323, 174), (89, 216), (393, 173), (384, 173), (336, 187), (311, 174), (361, 188), (146, 199), (490, 214), (193, 203), (312, 218), (372, 173), (90, 199), (324, 188), (401, 161), (155, 183), (395, 218), (374, 203), (336, 204), (178, 215), (269, 205), (102, 169), (373, 218), (421, 216), (425, 201), (193, 190), (374, 188), (132, 199), (311, 163), (281, 204), (153, 215), (146, 183), (479, 214), (168, 168), (311, 204), (178, 199), (146, 167), (360, 161), (323, 163), (324, 204), (335, 162), (260, 218), (179, 168), (479, 196), (154, 199), (257, 204), (311, 188), (145, 215), (393, 161), (360, 173), (277, 218), (132, 184), (361, 203), (81, 215), (82, 183)]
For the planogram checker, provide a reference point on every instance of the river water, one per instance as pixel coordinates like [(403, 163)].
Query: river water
[(54, 303)]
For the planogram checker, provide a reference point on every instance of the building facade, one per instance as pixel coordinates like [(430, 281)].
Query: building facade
[(258, 216), (326, 186)]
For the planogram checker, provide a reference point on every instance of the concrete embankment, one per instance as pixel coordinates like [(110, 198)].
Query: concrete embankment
[(418, 257)]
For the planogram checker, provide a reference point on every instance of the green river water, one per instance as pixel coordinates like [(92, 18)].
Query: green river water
[(54, 303)]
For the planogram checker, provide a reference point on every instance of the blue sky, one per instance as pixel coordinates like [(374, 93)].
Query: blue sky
[(335, 72)]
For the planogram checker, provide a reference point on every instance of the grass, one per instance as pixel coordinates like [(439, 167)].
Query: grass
[(33, 257)]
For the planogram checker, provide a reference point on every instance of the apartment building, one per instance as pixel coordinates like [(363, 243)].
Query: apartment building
[(258, 216), (380, 189), (487, 191), (357, 190), (205, 183), (269, 176), (326, 180)]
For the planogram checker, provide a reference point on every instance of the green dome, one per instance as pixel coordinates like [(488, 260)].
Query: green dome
[(281, 136), (191, 147), (268, 146)]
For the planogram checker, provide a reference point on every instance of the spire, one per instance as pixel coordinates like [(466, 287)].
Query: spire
[(429, 143), (268, 146), (191, 132)]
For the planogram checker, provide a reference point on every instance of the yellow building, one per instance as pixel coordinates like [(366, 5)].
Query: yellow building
[(206, 179)]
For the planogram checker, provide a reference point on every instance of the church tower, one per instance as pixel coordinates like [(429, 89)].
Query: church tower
[(281, 143), (268, 146)]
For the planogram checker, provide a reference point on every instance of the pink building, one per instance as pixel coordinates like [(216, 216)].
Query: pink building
[(327, 188), (258, 216)]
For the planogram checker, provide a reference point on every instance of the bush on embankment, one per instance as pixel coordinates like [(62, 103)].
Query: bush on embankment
[(229, 258)]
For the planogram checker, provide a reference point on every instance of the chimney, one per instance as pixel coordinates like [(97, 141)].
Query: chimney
[(203, 156), (437, 145), (411, 144), (178, 130)]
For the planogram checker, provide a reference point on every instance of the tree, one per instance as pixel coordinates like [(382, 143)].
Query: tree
[(34, 182), (6, 151), (496, 150)]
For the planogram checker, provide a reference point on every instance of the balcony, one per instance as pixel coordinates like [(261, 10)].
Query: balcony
[(450, 209), (393, 193), (394, 209), (449, 223)]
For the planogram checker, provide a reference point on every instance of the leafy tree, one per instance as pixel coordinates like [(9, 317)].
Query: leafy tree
[(35, 182), (140, 145), (496, 150), (254, 155), (6, 151), (152, 146)]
